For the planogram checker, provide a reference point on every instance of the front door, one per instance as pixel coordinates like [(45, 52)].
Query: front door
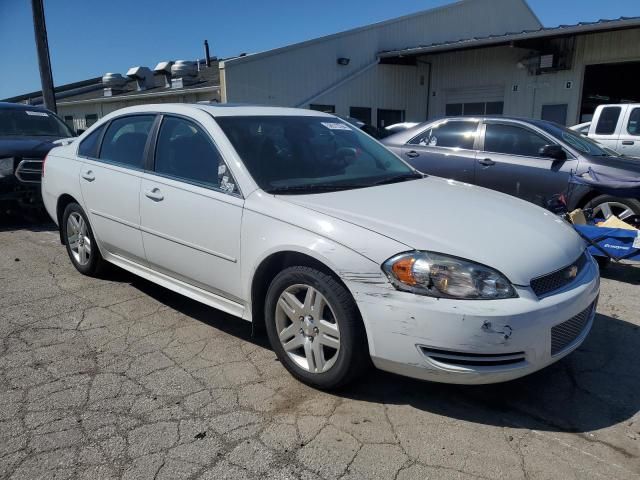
[(191, 211), (629, 139), (110, 179), (510, 163), (445, 149)]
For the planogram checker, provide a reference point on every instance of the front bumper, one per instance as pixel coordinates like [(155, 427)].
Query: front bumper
[(475, 341)]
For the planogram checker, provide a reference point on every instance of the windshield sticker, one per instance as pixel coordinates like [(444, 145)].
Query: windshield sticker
[(36, 114), (226, 185), (335, 126)]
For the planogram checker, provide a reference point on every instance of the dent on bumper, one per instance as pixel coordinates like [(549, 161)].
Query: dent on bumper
[(512, 335)]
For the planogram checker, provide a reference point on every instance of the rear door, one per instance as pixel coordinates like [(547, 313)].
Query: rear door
[(445, 149), (110, 176), (629, 139), (191, 209), (606, 126), (510, 163)]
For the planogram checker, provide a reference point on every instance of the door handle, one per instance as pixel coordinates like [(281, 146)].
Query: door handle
[(628, 142), (154, 194), (412, 154), (487, 162), (88, 176)]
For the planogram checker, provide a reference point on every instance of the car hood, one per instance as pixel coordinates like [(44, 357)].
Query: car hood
[(517, 238), (36, 147), (628, 166)]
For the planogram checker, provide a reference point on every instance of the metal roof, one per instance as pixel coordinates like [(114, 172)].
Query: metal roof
[(581, 28)]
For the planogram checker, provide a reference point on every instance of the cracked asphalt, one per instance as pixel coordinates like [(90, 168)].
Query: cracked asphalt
[(119, 378)]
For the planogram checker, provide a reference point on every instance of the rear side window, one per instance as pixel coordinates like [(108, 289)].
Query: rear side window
[(125, 140), (513, 140), (633, 127), (448, 134), (89, 146), (608, 120), (184, 151)]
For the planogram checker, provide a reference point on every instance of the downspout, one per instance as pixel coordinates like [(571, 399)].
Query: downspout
[(428, 86), (339, 83)]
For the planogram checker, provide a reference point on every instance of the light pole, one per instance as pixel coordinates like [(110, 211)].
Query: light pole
[(44, 62)]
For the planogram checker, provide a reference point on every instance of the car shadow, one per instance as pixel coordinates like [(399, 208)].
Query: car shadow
[(595, 387), (627, 272), (34, 221)]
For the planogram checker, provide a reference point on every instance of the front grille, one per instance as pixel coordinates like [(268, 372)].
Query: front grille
[(564, 334), (468, 359), (551, 282), (29, 170)]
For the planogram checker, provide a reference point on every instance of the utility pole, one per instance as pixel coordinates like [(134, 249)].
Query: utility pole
[(44, 62)]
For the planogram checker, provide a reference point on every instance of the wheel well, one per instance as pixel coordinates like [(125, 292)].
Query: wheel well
[(267, 271), (587, 198), (63, 201)]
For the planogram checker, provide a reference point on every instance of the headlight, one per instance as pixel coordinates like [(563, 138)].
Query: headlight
[(6, 166), (443, 276)]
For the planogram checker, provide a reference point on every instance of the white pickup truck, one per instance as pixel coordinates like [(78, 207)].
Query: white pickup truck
[(617, 127)]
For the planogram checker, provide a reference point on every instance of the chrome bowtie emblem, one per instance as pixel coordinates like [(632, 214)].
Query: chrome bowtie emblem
[(572, 271)]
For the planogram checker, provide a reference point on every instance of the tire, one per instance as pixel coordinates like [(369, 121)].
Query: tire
[(74, 222), (311, 355), (621, 207)]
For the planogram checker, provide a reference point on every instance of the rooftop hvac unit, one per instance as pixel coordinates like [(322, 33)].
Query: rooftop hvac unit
[(113, 83), (163, 70), (184, 73), (142, 76)]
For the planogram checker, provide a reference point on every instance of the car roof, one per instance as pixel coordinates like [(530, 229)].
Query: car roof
[(20, 106)]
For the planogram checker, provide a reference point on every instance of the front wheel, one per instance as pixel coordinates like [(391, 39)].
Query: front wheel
[(80, 242), (604, 206), (315, 328)]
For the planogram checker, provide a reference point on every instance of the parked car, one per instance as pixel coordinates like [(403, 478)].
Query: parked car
[(617, 127), (582, 128), (298, 221), (529, 159), (399, 127), (27, 133)]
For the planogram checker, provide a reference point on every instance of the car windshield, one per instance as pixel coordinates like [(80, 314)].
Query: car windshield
[(32, 123), (298, 154), (579, 142)]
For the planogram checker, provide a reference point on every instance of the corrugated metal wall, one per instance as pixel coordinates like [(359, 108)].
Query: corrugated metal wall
[(289, 76), (475, 71)]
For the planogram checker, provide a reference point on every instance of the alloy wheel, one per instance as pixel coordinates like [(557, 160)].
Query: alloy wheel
[(308, 328), (78, 238), (607, 209)]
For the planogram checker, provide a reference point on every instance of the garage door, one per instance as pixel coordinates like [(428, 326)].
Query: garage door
[(609, 83), (474, 101)]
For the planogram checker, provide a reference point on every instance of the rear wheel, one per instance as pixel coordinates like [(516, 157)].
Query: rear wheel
[(315, 328), (80, 242), (604, 206)]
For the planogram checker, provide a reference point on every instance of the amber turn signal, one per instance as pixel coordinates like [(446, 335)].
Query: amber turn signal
[(403, 270)]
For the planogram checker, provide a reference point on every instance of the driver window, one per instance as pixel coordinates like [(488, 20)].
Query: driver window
[(513, 140)]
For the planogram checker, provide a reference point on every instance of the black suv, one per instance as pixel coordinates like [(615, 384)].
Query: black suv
[(27, 133)]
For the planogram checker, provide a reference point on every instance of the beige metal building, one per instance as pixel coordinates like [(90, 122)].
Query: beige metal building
[(82, 103), (471, 57)]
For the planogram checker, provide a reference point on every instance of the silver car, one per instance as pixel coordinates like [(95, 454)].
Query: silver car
[(529, 159)]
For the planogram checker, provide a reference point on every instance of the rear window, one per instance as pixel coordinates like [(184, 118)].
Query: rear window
[(608, 120)]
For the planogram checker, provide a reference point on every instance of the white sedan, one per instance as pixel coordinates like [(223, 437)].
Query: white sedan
[(297, 221)]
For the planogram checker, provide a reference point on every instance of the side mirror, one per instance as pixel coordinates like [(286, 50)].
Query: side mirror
[(80, 131), (555, 152)]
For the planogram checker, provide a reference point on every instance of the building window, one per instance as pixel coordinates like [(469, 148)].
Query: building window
[(68, 119), (90, 119), (323, 108), (361, 113), (387, 118), (474, 108), (555, 113)]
